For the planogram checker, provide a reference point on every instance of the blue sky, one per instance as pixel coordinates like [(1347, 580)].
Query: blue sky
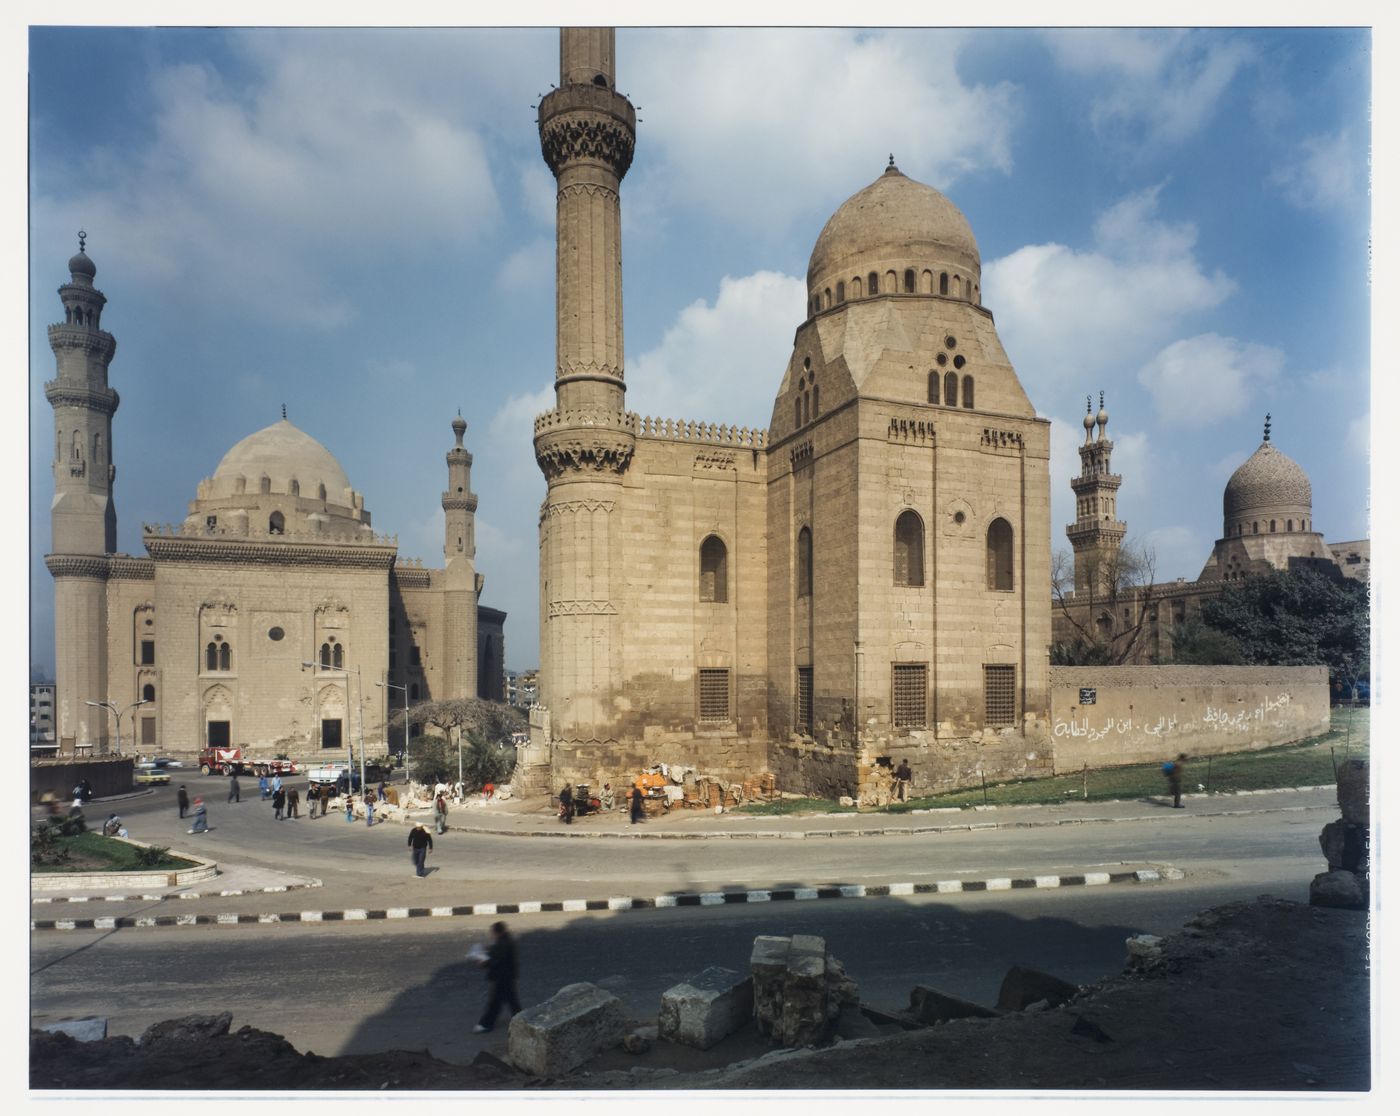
[(358, 224)]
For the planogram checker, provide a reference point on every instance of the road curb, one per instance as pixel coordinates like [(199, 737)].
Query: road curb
[(621, 903), (144, 898)]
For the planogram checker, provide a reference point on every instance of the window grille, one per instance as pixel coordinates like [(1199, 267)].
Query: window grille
[(999, 689), (910, 695), (804, 700), (714, 695)]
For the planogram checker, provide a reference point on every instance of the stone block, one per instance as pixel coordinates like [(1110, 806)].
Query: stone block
[(1337, 889), (187, 1029), (1354, 792), (84, 1030), (706, 1007), (1022, 987), (928, 1005), (569, 1028), (1144, 951), (1346, 846)]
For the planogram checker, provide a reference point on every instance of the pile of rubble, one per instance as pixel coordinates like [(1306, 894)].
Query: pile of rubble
[(1346, 843), (667, 785)]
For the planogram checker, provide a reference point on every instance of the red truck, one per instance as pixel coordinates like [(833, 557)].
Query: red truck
[(231, 761)]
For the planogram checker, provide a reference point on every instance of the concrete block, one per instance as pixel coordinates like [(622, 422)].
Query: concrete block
[(706, 1007), (1144, 951), (928, 1005), (1337, 889), (559, 1035), (84, 1030)]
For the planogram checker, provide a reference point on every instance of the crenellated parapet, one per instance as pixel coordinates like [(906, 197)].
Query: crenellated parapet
[(584, 441), (293, 534), (683, 430)]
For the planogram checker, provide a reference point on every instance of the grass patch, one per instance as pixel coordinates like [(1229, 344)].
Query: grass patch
[(91, 852), (781, 806)]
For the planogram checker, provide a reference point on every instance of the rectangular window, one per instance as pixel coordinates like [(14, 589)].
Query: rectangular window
[(804, 700), (148, 652), (999, 692), (415, 656), (910, 697), (148, 731), (714, 695)]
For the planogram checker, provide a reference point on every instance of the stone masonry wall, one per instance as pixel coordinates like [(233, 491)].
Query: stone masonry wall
[(1143, 713)]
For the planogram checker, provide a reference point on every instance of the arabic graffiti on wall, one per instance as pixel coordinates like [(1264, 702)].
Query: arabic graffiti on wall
[(1213, 718)]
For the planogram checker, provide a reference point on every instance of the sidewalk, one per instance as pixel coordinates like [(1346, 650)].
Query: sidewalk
[(244, 893)]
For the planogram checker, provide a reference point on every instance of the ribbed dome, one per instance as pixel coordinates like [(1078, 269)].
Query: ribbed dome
[(282, 453), (1269, 479), (894, 223), (81, 265)]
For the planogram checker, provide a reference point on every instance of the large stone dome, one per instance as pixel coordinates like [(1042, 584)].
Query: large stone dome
[(282, 453), (896, 225), (1269, 481)]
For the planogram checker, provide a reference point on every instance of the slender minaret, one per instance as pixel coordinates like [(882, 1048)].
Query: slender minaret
[(1096, 534), (83, 515), (584, 446), (461, 587)]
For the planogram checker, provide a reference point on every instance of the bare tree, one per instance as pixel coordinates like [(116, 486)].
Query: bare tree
[(1102, 623), (476, 718)]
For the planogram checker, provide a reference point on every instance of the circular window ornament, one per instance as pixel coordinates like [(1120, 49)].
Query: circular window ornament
[(959, 361), (951, 342), (275, 634), (942, 358), (959, 518)]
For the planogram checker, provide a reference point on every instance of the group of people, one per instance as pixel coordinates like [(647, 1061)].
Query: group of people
[(606, 802)]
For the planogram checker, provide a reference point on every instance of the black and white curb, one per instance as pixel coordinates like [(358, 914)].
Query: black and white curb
[(226, 893), (623, 903)]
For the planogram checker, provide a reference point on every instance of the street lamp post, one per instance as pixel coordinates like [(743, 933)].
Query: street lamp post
[(394, 686), (111, 707), (340, 670)]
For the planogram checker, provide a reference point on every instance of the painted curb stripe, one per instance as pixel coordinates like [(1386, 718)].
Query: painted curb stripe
[(623, 902)]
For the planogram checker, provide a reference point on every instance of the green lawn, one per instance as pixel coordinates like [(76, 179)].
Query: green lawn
[(91, 852), (1308, 763)]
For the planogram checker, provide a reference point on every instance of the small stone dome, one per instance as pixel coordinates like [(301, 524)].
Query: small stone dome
[(1269, 479), (893, 224), (80, 265), (282, 453)]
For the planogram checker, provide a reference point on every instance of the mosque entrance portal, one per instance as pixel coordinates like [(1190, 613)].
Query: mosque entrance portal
[(218, 734), (330, 733)]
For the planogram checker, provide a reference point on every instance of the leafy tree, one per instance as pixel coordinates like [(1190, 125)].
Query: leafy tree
[(1297, 617), (484, 724), (1197, 644), (1092, 614)]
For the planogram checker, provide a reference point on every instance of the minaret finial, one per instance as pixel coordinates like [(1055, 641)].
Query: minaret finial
[(284, 412), (1088, 404), (82, 241), (891, 158), (1267, 419)]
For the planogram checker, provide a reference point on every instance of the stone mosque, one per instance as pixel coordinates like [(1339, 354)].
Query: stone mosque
[(266, 617)]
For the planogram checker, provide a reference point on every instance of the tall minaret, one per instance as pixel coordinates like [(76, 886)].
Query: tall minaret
[(584, 446), (83, 515), (1096, 534), (461, 584)]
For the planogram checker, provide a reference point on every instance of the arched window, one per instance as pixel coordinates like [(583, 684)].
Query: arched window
[(797, 410), (816, 401), (1256, 529), (337, 656), (77, 445), (275, 523), (804, 562), (908, 280), (926, 282), (97, 449), (891, 283), (714, 571), (148, 692), (943, 283), (967, 289), (826, 298), (211, 656), (908, 549), (325, 655), (935, 393), (841, 290), (950, 389), (1290, 524), (1272, 524), (320, 492), (264, 483), (967, 391), (856, 287), (225, 657), (413, 691), (874, 282), (296, 487), (1000, 566)]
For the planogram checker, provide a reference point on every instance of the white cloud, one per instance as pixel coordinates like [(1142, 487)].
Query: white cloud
[(1155, 86), (1066, 314), (528, 267), (1358, 436), (538, 193), (726, 135), (1322, 172), (722, 361), (1208, 378)]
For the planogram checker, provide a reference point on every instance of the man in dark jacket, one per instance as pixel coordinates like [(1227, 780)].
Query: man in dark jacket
[(235, 792), (182, 799), (420, 841), (500, 974)]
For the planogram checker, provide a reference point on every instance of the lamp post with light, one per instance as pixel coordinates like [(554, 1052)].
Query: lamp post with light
[(111, 707), (396, 686), (323, 668)]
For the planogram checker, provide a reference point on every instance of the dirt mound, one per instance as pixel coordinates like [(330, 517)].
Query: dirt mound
[(1268, 995)]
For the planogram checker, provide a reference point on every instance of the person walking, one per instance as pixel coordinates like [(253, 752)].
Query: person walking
[(235, 792), (1174, 770), (201, 817), (182, 799), (313, 796), (902, 775), (369, 808), (566, 805), (420, 843), (349, 807), (440, 814), (263, 789), (293, 801), (638, 810), (500, 974), (276, 783), (279, 801)]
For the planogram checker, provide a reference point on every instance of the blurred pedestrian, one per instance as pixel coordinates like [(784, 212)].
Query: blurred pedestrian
[(638, 809), (349, 807), (369, 808), (1174, 770), (440, 814), (201, 817), (420, 843), (276, 783), (182, 799), (902, 776), (566, 805), (263, 789), (607, 798), (279, 802), (235, 792), (500, 974), (293, 801)]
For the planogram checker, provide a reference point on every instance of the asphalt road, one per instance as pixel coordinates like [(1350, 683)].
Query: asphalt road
[(344, 988)]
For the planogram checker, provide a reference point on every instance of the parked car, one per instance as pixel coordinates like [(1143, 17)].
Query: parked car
[(148, 774)]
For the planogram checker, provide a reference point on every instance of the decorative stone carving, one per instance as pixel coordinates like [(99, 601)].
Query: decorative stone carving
[(572, 136), (598, 450), (582, 608)]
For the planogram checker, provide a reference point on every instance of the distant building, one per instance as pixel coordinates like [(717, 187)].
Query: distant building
[(522, 687), (1267, 525), (42, 729)]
